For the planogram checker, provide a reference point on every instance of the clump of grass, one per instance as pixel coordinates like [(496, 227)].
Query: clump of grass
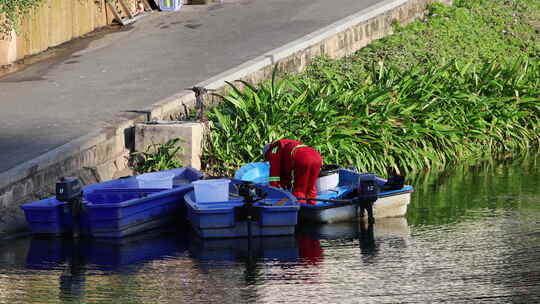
[(158, 157)]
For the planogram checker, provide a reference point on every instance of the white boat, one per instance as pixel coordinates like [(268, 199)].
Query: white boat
[(344, 200)]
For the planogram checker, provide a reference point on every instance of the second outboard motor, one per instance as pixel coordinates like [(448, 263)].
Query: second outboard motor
[(368, 192), (69, 190), (395, 182)]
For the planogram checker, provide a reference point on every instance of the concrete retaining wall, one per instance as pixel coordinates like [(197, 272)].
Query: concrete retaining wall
[(103, 155)]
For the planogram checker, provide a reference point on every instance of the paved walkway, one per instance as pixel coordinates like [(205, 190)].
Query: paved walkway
[(54, 102)]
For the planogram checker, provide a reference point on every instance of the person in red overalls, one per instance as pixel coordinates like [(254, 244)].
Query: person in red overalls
[(288, 157)]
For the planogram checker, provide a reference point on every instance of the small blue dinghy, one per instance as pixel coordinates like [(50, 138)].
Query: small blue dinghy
[(112, 209), (245, 210), (343, 194)]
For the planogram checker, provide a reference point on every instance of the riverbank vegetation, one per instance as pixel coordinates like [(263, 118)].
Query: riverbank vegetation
[(158, 157), (461, 84)]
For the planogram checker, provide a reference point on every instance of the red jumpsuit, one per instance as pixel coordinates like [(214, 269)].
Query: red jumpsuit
[(288, 157)]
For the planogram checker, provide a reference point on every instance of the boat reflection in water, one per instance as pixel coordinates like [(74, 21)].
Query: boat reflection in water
[(182, 257), (126, 253), (394, 232), (278, 248), (306, 247), (105, 254), (77, 259)]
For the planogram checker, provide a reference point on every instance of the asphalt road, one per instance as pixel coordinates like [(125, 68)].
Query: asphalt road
[(53, 102)]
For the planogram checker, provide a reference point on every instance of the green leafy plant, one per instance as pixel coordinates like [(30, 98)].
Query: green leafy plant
[(392, 119), (158, 157)]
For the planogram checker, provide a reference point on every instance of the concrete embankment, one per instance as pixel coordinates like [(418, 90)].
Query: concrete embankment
[(102, 154)]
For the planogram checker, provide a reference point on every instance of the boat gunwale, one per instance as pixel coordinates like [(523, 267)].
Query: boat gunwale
[(405, 190), (140, 200), (229, 206)]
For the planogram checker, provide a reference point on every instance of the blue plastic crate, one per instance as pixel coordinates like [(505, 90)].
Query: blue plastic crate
[(170, 5)]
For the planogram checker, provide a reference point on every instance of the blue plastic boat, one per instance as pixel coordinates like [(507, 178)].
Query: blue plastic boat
[(114, 209), (275, 215), (389, 203)]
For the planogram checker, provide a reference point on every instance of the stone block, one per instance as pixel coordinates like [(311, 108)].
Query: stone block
[(190, 133)]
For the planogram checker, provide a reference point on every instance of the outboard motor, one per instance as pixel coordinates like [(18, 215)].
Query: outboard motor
[(69, 190), (251, 194), (368, 192)]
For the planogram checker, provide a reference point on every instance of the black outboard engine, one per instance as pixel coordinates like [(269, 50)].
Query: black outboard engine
[(69, 190), (251, 194), (368, 192), (395, 182)]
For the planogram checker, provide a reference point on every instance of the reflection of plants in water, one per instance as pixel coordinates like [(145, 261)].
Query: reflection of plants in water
[(445, 196)]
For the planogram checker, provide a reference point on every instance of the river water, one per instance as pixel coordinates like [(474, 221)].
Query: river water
[(470, 236)]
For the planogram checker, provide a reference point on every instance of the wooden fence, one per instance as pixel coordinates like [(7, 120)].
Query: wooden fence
[(55, 22)]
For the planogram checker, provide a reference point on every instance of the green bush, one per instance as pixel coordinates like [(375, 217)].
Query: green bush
[(158, 157)]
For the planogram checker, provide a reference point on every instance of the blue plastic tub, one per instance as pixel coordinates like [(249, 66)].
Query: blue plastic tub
[(258, 172), (220, 219), (114, 208)]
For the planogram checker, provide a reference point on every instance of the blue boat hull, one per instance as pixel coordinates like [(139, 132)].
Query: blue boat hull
[(113, 209), (221, 219)]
